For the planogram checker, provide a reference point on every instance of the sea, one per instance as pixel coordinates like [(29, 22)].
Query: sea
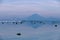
[(44, 32)]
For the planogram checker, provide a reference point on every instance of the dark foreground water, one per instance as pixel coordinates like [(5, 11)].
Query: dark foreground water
[(44, 32)]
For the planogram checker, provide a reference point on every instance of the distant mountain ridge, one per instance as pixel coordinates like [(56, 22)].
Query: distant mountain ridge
[(35, 17)]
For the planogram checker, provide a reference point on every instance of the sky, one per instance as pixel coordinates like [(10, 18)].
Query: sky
[(50, 8)]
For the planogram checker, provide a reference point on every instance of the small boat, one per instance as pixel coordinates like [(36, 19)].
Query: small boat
[(56, 25), (18, 34)]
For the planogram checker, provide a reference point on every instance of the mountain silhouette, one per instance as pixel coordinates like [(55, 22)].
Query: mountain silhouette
[(35, 17)]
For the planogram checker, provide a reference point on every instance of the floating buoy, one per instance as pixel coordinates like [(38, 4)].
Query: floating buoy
[(2, 22), (16, 22), (18, 34), (55, 25), (40, 22)]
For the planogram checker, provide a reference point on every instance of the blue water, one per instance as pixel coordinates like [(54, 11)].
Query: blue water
[(45, 32)]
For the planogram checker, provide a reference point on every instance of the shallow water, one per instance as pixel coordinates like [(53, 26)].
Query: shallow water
[(44, 32)]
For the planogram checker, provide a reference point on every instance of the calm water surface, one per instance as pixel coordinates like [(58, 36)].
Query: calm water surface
[(44, 32)]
